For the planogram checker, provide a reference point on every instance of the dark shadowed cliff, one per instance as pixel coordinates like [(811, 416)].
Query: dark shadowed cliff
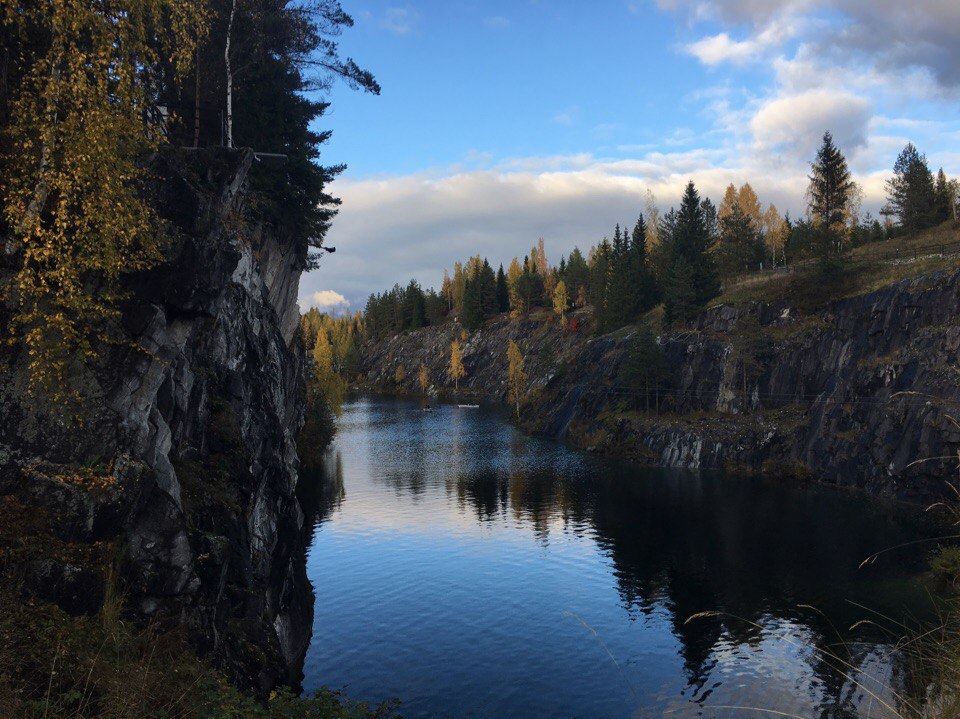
[(852, 394), (173, 479)]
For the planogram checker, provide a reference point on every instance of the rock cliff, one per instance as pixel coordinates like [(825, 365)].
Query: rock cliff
[(180, 458), (861, 393)]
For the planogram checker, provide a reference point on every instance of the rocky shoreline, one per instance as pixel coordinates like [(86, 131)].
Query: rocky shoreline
[(854, 394)]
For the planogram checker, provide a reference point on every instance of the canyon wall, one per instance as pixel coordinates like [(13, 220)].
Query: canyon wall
[(861, 393), (179, 455)]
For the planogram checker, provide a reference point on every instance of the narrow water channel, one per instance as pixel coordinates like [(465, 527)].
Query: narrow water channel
[(472, 571)]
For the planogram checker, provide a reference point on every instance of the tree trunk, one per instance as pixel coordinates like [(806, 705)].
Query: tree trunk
[(42, 189), (196, 104), (226, 57), (744, 387)]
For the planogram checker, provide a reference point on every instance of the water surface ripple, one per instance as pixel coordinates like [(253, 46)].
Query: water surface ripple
[(472, 571)]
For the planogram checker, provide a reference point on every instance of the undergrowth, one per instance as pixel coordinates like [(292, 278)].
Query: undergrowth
[(54, 666)]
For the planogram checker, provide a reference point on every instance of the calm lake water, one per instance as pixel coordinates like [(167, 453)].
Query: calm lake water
[(472, 571)]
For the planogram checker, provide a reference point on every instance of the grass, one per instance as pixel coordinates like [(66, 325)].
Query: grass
[(808, 289), (56, 666)]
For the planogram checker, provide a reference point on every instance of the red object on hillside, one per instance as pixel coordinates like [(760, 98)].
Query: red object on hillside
[(573, 326)]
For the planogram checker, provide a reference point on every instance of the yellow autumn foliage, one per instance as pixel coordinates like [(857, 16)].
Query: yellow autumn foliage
[(80, 129)]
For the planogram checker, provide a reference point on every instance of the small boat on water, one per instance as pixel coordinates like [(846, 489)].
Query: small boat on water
[(469, 406)]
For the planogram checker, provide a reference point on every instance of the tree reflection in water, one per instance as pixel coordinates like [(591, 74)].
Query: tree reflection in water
[(777, 563)]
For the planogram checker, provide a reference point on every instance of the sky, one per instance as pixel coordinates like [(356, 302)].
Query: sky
[(503, 121)]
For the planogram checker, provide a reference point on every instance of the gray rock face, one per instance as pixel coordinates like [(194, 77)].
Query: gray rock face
[(856, 394), (194, 415)]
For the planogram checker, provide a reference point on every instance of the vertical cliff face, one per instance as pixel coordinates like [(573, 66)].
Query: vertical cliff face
[(188, 430), (862, 393)]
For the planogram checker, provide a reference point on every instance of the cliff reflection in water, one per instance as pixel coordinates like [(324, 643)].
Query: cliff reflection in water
[(547, 532)]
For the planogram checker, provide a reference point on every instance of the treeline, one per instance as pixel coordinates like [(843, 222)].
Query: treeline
[(332, 347), (680, 258)]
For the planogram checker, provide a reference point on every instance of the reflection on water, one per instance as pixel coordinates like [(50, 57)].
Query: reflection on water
[(475, 572)]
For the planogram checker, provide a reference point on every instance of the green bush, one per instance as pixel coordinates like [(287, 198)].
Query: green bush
[(946, 564)]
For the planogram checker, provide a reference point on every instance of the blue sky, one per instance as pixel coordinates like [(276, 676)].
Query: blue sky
[(501, 122)]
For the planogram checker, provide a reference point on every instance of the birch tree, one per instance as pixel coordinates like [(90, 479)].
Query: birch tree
[(456, 372), (516, 377)]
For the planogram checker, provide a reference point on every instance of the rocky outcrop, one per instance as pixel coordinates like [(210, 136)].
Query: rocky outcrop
[(181, 455), (861, 393)]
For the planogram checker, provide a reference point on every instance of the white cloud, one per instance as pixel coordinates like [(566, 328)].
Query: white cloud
[(567, 116), (400, 20), (497, 22), (797, 122), (888, 36), (328, 300), (720, 48), (392, 229), (821, 71)]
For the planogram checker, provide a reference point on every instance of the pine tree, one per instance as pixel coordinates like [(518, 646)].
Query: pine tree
[(456, 372), (423, 378), (503, 292), (911, 195), (830, 194)]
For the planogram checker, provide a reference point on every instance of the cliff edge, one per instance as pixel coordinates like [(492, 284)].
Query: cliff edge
[(173, 479)]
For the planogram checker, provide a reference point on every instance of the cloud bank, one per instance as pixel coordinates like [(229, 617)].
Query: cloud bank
[(868, 70)]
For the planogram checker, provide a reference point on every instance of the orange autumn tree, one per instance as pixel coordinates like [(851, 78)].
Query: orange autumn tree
[(423, 378), (456, 372), (82, 118), (516, 377)]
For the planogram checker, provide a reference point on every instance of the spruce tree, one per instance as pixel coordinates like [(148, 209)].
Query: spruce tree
[(487, 281), (943, 198), (617, 310), (577, 276), (692, 238), (471, 316), (503, 292), (910, 192), (643, 290), (830, 192), (644, 368), (679, 294), (599, 278), (740, 248)]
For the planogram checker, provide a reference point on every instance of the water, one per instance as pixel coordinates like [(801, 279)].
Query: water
[(472, 571)]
